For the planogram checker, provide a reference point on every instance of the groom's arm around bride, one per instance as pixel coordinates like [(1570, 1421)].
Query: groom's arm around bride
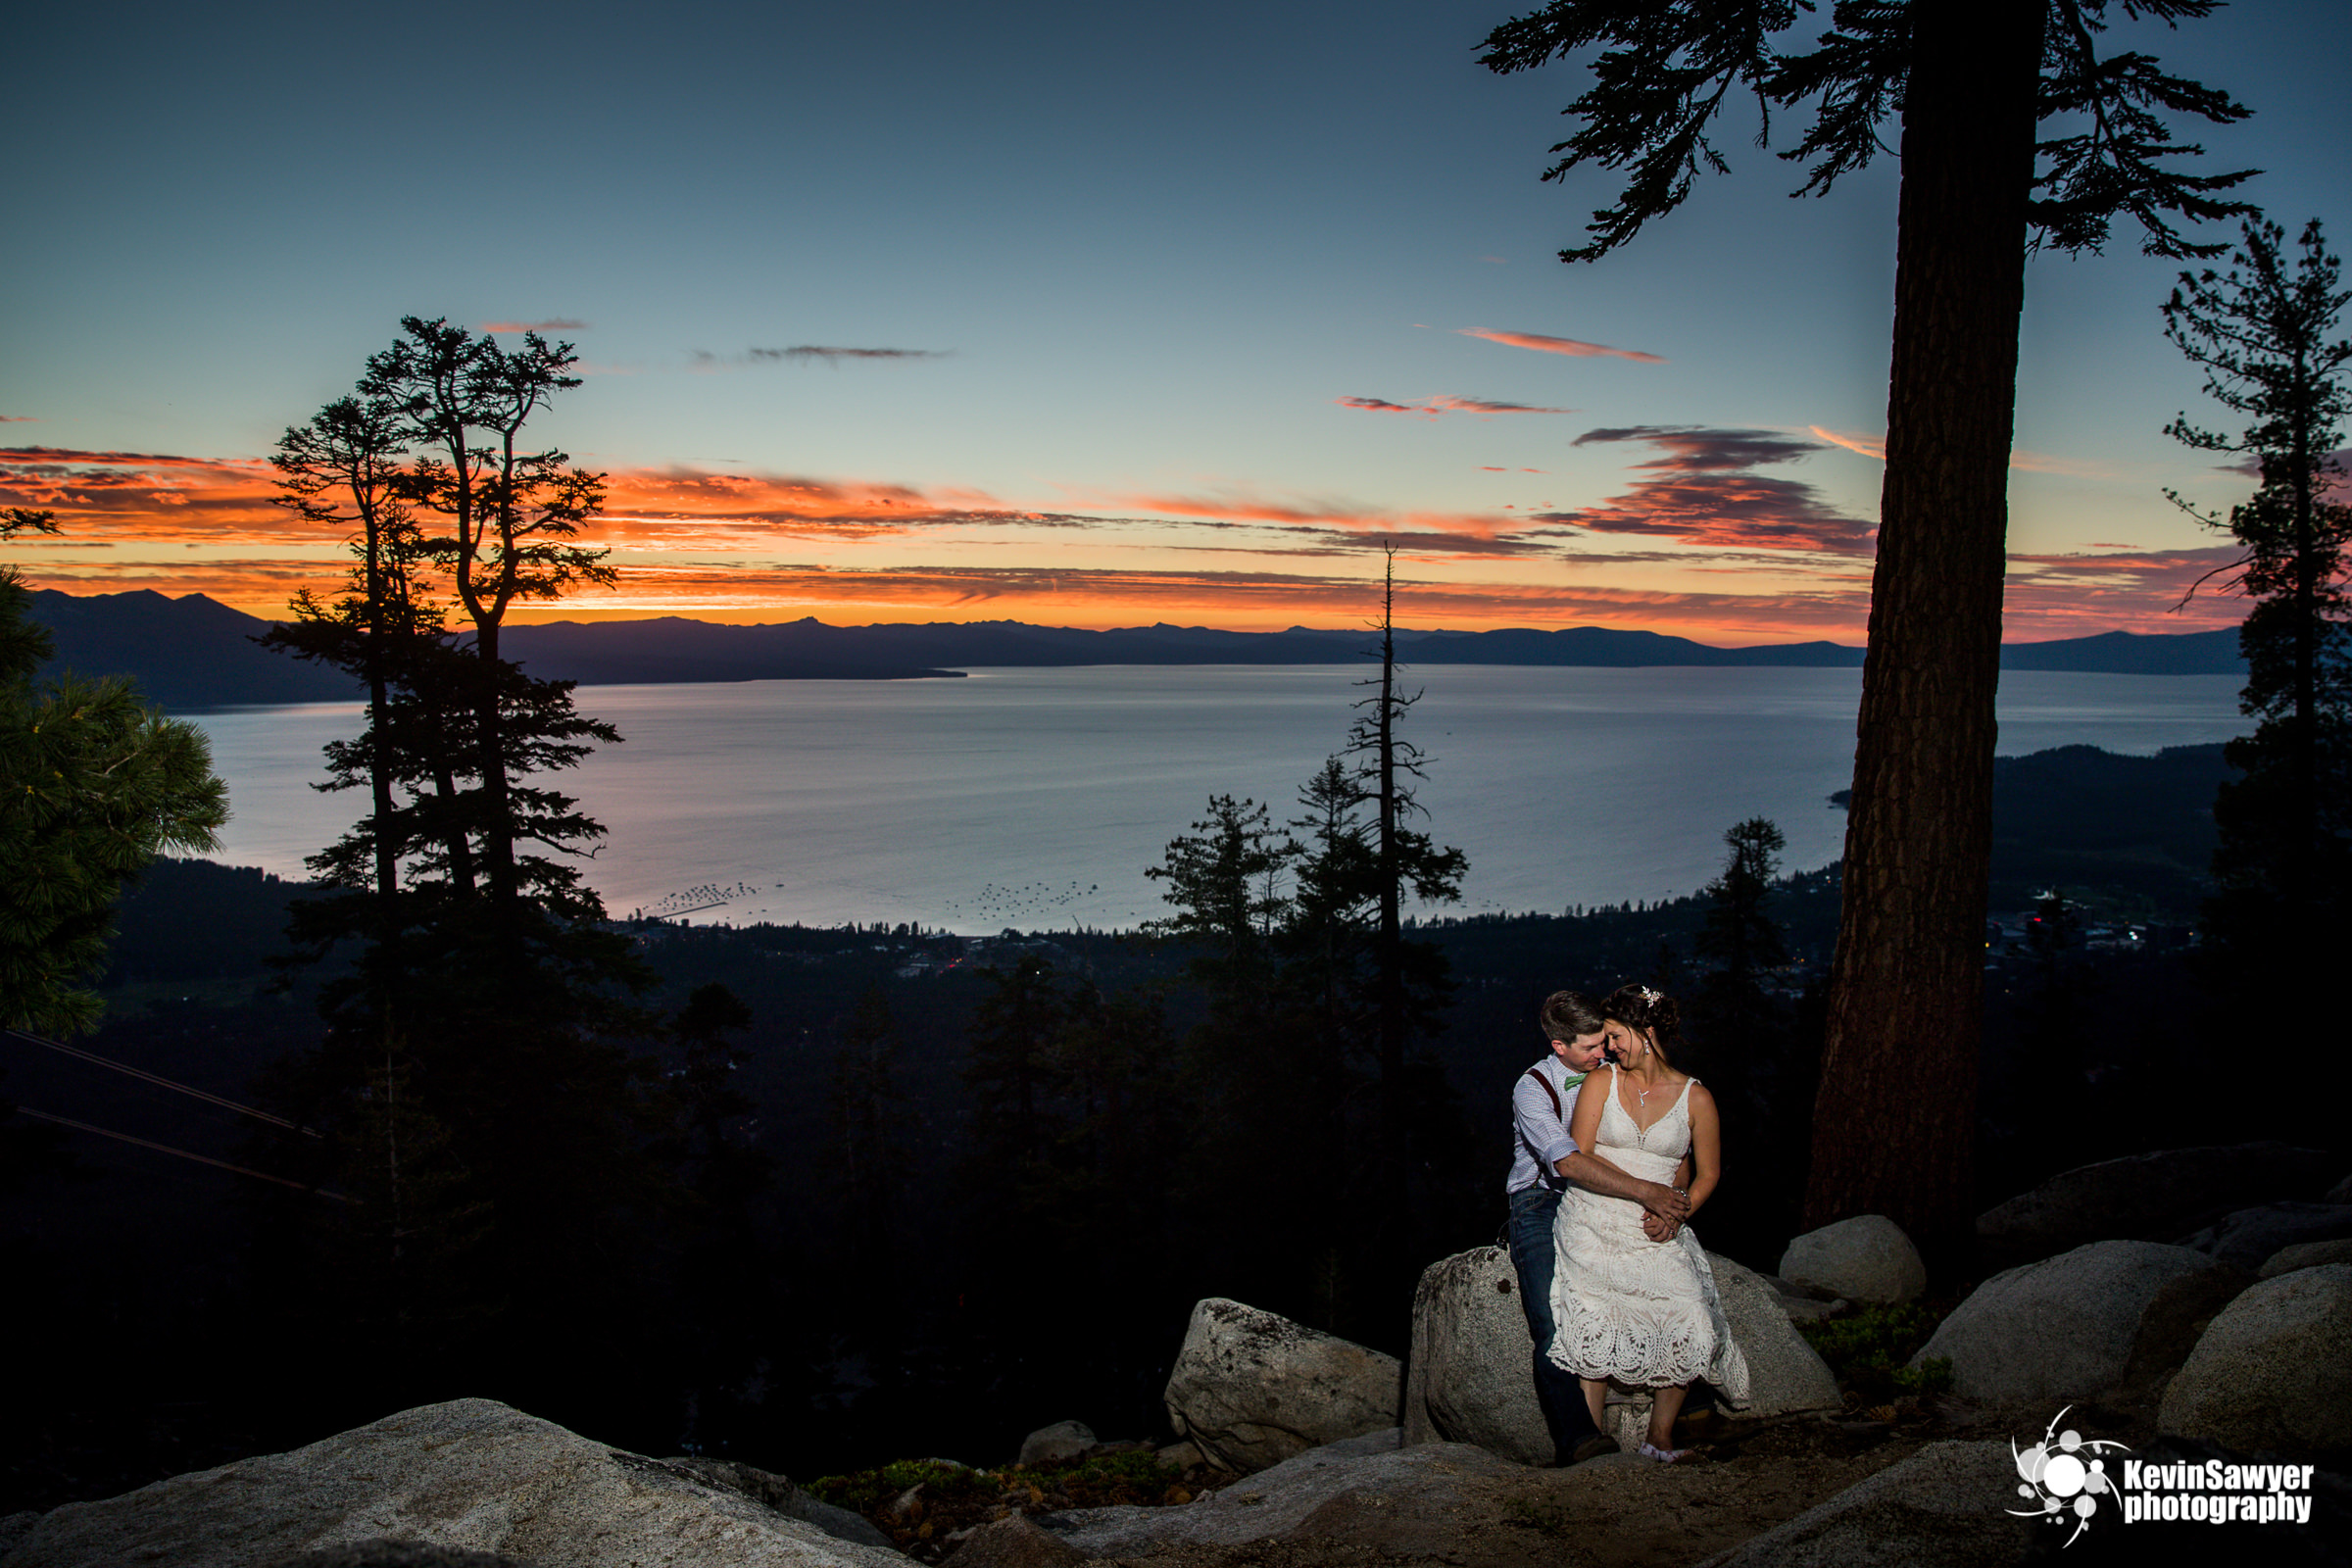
[(1544, 1161)]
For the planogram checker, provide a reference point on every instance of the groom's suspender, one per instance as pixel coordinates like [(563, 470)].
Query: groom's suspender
[(1553, 1094)]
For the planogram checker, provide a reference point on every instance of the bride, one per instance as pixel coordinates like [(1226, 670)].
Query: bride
[(1629, 1309)]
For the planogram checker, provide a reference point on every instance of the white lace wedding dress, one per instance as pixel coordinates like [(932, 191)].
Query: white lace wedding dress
[(1639, 1313)]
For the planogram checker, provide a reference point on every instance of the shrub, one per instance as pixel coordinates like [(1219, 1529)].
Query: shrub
[(1867, 1351)]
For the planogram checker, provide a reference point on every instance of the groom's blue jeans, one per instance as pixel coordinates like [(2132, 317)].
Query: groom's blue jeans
[(1532, 1256)]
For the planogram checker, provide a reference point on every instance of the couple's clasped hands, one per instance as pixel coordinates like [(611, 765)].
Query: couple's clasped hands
[(1663, 1210)]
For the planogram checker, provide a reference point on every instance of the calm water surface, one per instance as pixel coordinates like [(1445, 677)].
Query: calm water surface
[(1035, 797)]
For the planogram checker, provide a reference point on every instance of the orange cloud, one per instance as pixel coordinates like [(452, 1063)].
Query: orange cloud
[(559, 323), (1706, 493), (148, 495), (1868, 445), (1543, 344), (173, 500), (706, 534)]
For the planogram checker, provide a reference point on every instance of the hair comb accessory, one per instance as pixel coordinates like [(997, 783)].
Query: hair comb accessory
[(1653, 997)]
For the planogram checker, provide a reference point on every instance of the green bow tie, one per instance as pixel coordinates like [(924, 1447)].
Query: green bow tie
[(1572, 1080)]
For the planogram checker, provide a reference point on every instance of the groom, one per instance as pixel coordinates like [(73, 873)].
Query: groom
[(1543, 1160)]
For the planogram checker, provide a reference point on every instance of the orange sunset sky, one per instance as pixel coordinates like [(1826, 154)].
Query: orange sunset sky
[(1073, 323)]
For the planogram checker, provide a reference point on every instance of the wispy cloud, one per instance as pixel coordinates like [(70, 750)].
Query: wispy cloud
[(1469, 532), (171, 500), (18, 419), (1875, 447), (1870, 445), (682, 508), (809, 353), (821, 354), (1542, 343), (553, 323), (2076, 594), (1703, 490), (1431, 408), (2337, 465), (2071, 467)]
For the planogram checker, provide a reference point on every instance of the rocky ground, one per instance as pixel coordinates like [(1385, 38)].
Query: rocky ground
[(1748, 1478)]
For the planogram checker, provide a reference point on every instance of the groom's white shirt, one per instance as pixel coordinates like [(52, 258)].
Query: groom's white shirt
[(1541, 1140)]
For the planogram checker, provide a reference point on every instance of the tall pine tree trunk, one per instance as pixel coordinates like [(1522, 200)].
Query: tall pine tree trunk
[(1894, 1121), (2305, 851), (1389, 955), (498, 827)]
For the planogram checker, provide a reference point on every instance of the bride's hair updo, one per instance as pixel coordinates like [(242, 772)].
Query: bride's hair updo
[(1647, 1008)]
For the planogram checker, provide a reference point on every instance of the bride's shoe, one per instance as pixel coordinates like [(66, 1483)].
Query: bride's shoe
[(1650, 1451)]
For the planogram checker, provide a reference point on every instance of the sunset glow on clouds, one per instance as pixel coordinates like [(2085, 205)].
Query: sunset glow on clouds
[(1543, 344), (1739, 554), (1703, 489), (1096, 320)]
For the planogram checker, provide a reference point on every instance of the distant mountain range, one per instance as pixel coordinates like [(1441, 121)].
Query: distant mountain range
[(195, 653)]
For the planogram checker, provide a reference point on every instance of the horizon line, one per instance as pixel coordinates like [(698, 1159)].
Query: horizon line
[(572, 614)]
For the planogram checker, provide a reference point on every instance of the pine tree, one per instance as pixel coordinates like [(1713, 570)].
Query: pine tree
[(1740, 936), (93, 785), (2262, 333), (870, 1147), (1970, 84), (513, 515), (485, 981), (1410, 982)]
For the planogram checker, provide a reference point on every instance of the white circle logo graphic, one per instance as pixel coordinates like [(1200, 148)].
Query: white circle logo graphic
[(2063, 1477)]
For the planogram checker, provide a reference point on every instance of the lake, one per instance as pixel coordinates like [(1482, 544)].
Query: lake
[(1034, 799)]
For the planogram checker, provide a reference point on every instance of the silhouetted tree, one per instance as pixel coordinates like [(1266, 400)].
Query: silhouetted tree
[(1741, 943), (512, 514), (726, 1170), (1410, 982), (871, 1150), (1740, 936), (93, 785), (342, 470), (1014, 1071), (1745, 1044), (1972, 83), (1227, 881), (486, 985), (2261, 331)]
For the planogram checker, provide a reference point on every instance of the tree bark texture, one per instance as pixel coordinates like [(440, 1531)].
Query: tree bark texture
[(1894, 1120)]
